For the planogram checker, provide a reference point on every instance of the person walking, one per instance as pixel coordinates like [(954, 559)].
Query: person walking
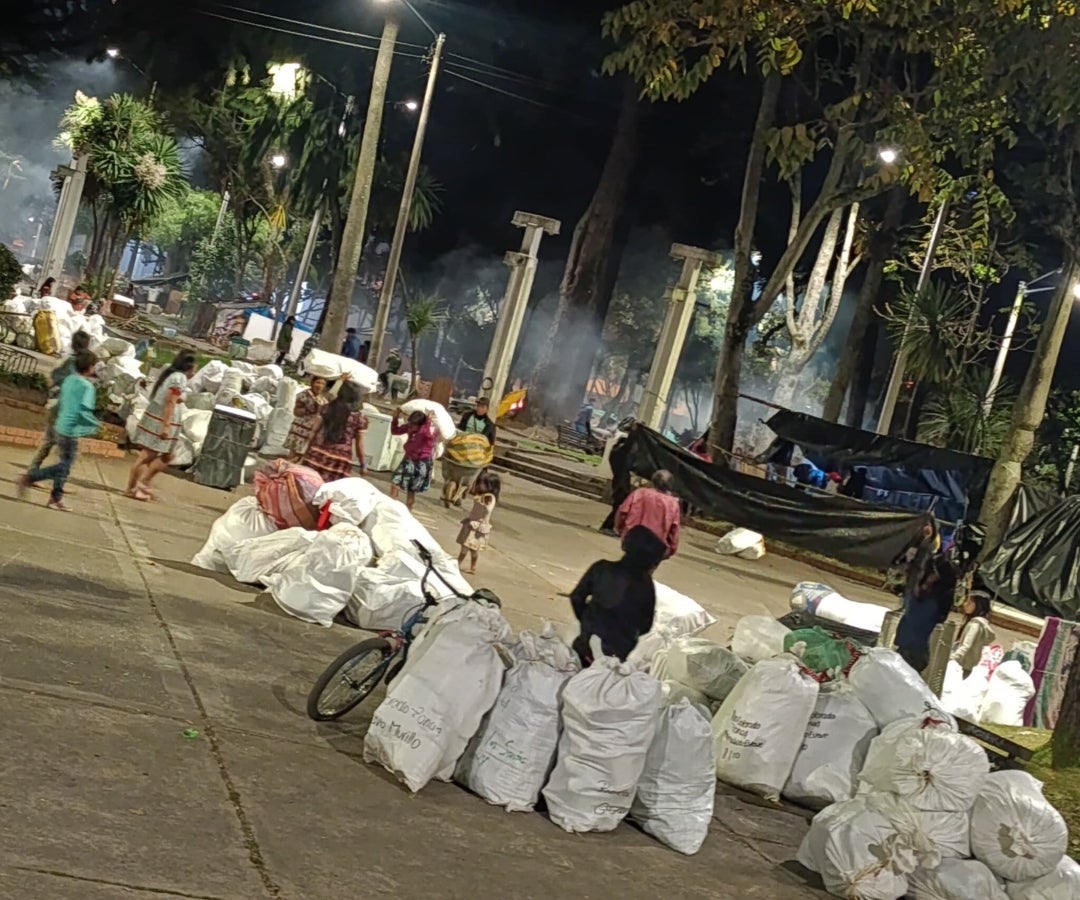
[(284, 339), (339, 433), (306, 412), (351, 347), (583, 422), (414, 474), (476, 526), (621, 485), (74, 419), (616, 601), (159, 428), (928, 600), (80, 342), (478, 421), (656, 508)]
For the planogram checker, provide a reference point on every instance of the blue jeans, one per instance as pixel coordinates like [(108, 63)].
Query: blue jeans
[(58, 473)]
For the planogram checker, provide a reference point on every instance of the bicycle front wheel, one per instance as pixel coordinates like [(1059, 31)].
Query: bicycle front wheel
[(349, 679)]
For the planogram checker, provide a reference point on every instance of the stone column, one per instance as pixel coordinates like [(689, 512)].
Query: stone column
[(669, 345), (67, 209), (522, 266)]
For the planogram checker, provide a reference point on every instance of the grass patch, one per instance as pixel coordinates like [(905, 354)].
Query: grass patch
[(540, 447), (1061, 786)]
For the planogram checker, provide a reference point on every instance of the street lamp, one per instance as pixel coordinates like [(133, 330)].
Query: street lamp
[(888, 155), (278, 160), (112, 53), (411, 105)]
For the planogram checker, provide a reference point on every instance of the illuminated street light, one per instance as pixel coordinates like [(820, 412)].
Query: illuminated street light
[(284, 79), (112, 53), (888, 155), (278, 160), (412, 105)]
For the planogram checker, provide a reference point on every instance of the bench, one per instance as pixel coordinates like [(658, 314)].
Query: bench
[(570, 439)]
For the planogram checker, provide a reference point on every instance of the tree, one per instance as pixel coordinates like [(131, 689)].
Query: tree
[(1065, 748), (883, 72), (133, 171), (423, 315), (1059, 436), (955, 415), (589, 277), (182, 225), (10, 272)]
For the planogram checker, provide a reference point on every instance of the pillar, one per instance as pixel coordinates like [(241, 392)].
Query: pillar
[(522, 266), (67, 209), (669, 345)]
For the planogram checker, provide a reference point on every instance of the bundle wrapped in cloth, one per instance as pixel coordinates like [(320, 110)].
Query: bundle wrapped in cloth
[(471, 451)]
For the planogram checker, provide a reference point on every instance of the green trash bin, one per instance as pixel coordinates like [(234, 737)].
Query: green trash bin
[(238, 348)]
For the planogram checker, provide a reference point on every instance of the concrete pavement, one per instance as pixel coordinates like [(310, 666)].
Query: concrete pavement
[(112, 646)]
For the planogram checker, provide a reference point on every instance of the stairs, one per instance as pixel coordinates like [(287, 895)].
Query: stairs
[(546, 471)]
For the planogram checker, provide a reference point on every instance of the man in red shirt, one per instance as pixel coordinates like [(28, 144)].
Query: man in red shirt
[(656, 508)]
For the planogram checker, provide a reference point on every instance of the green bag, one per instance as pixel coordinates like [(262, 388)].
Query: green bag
[(819, 651)]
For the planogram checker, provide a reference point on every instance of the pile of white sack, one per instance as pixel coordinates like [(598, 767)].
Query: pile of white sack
[(994, 693), (263, 391), (65, 320)]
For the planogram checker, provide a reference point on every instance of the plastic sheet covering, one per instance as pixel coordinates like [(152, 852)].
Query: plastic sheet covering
[(1037, 566), (833, 526)]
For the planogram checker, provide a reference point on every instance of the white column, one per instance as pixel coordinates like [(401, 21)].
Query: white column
[(680, 313), (64, 224), (515, 301)]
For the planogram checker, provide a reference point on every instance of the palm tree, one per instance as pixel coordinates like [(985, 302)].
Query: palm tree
[(935, 328), (955, 415), (424, 314), (133, 170)]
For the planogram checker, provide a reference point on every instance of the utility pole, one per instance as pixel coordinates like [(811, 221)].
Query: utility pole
[(681, 300), (393, 260), (305, 264), (64, 224), (512, 310), (352, 240), (896, 378), (1022, 293)]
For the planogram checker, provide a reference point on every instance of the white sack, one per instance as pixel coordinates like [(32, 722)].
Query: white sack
[(194, 423), (891, 689), (436, 703), (949, 832), (351, 499), (674, 800), (232, 386), (675, 691), (265, 387), (704, 666), (755, 552), (183, 453), (1007, 695), (239, 522), (270, 370), (758, 637), (739, 540), (385, 594), (316, 586), (511, 756), (1061, 884), (934, 769), (864, 616), (138, 408), (253, 560), (676, 614), (444, 422), (455, 610), (287, 392), (112, 346), (208, 378), (610, 712), (332, 366), (257, 404), (1014, 830), (833, 749), (760, 727), (201, 400), (956, 879), (391, 526), (849, 845), (278, 425)]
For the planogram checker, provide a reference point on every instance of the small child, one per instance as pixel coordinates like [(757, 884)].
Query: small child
[(616, 601), (414, 474), (80, 342), (74, 419), (476, 526)]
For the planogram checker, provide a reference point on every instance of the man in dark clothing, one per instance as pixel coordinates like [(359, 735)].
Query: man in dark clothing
[(583, 422), (365, 351), (284, 339), (621, 485), (351, 347), (616, 601), (477, 421)]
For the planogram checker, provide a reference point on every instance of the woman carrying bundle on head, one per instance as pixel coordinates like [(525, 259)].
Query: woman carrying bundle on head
[(338, 434)]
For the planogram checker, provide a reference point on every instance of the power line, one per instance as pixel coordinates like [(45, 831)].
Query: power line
[(312, 37), (504, 73), (357, 34), (506, 93)]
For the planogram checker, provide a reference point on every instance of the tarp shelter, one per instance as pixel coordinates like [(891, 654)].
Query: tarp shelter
[(1037, 566), (836, 527), (899, 473)]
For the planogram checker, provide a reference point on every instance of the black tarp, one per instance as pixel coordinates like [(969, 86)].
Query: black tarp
[(899, 472), (833, 526), (1037, 566)]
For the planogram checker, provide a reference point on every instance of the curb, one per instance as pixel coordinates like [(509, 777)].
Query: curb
[(22, 437)]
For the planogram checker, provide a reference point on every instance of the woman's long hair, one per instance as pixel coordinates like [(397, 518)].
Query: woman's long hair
[(184, 362), (337, 413)]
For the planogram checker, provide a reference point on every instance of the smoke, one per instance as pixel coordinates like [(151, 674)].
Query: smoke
[(30, 109)]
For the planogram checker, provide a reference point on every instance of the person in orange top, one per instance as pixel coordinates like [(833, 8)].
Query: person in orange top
[(655, 508)]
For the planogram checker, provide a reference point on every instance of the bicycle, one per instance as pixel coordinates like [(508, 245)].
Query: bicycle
[(350, 678)]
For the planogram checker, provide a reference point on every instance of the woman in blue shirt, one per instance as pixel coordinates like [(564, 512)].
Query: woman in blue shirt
[(74, 419)]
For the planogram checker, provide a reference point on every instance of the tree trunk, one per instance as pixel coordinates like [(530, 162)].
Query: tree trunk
[(740, 310), (1029, 409), (864, 375), (880, 250), (562, 374), (1066, 741)]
